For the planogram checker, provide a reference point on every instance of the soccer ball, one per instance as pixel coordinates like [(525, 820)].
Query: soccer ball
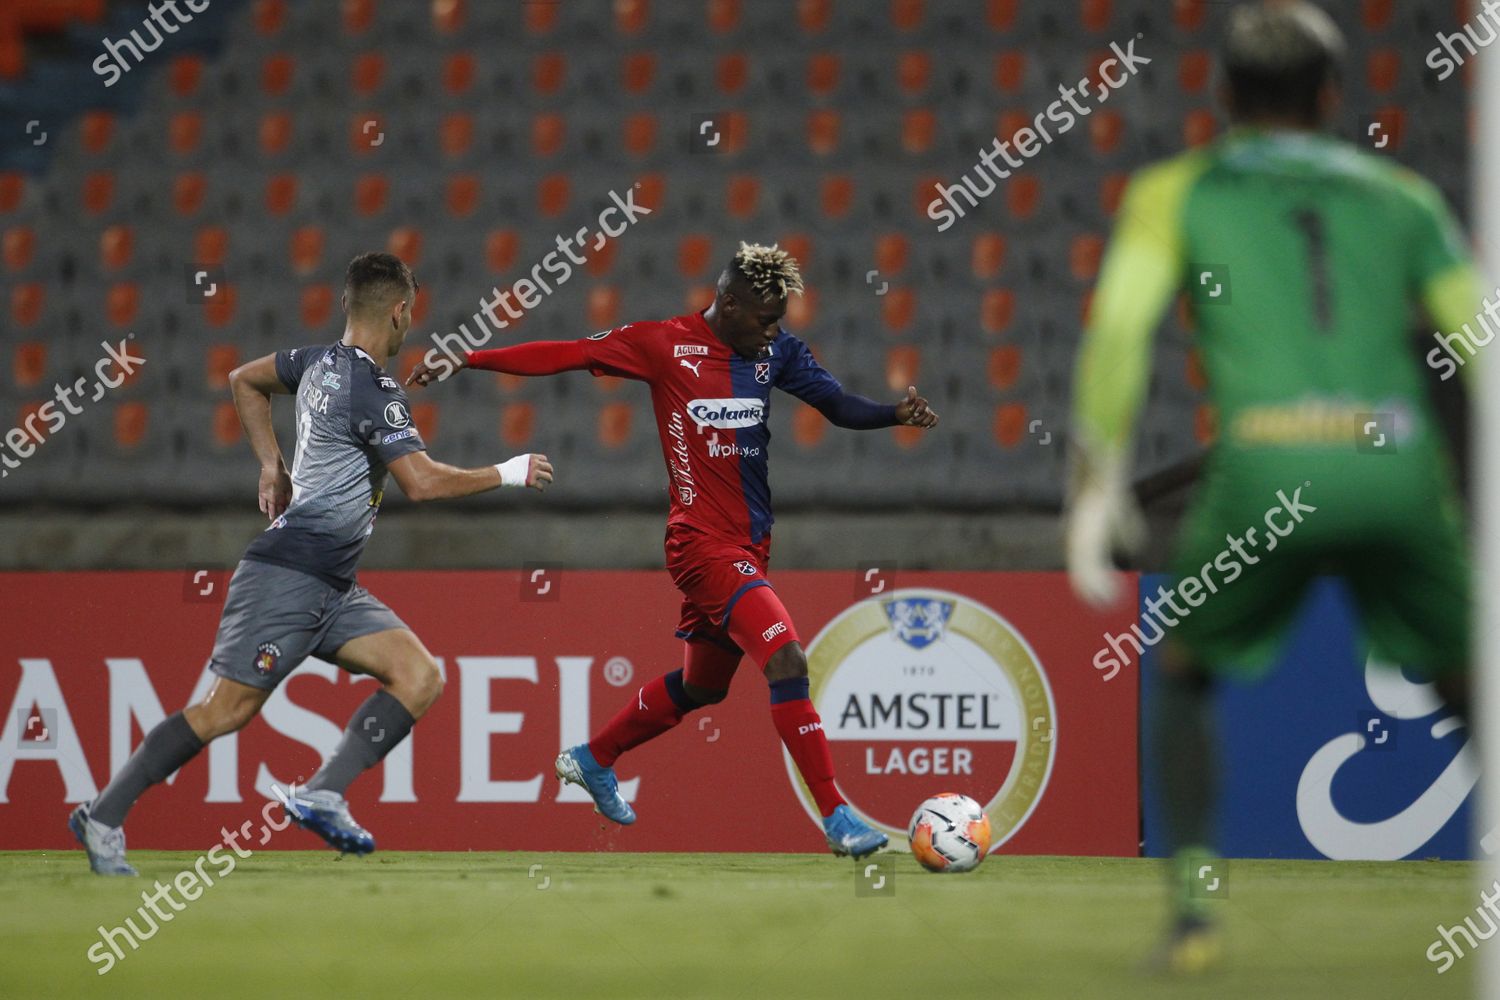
[(949, 833)]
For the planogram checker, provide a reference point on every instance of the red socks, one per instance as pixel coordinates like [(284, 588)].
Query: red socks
[(658, 706), (801, 730)]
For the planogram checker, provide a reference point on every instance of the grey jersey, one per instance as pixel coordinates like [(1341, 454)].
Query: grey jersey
[(352, 421)]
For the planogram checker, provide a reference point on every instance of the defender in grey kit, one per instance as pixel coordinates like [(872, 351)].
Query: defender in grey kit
[(294, 593)]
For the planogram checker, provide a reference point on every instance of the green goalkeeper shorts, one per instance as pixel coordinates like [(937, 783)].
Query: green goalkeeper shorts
[(1266, 522)]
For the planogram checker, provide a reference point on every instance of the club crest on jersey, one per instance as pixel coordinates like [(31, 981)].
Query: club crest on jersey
[(746, 567), (689, 350), (330, 380), (763, 372), (919, 623), (266, 656), (396, 415)]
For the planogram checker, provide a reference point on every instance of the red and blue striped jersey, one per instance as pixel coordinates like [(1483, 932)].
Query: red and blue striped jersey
[(712, 407)]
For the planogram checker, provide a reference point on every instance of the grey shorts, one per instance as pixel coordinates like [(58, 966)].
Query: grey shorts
[(275, 617)]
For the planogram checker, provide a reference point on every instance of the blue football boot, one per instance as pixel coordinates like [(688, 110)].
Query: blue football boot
[(577, 764), (850, 835)]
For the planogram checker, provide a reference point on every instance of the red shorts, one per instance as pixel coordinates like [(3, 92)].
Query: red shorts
[(726, 598)]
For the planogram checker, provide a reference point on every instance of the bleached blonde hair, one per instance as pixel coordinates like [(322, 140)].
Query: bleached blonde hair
[(771, 272)]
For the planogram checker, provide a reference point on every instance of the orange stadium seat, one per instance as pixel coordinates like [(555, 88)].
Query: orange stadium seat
[(631, 16), (987, 255), (184, 132), (539, 18), (997, 310), (1383, 70), (731, 73), (640, 134), (823, 131), (367, 73), (500, 247), (649, 190), (899, 308), (800, 246), (637, 71), (218, 361), (184, 74), (822, 73), (517, 423), (448, 16), (1010, 70), (116, 247), (549, 70), (1197, 378), (188, 191), (1199, 127), (1022, 195), (552, 194), (1376, 14), (1094, 15), (918, 127), (12, 187), (723, 16), (1111, 190), (366, 132), (358, 16), (924, 191), (1010, 424), (600, 261), (406, 242), (614, 424), (1106, 130), (1004, 366), (227, 429), (741, 195), (28, 364), (608, 384), (1194, 70), (269, 17), (903, 365), (218, 309), (1084, 254), (458, 71), (305, 249), (132, 420), (1205, 424), (97, 131), (808, 427), (1001, 14), (370, 194), (891, 253), (122, 303), (603, 307), (281, 193), (913, 72), (315, 307), (906, 15), (18, 247), (801, 310), (908, 437), (276, 72), (275, 133), (98, 191), (211, 245), (693, 254), (548, 132), (26, 303), (836, 195), (425, 416), (1189, 14), (456, 134), (813, 16), (461, 195)]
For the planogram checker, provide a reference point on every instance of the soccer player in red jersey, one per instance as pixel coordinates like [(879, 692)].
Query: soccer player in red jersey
[(711, 376)]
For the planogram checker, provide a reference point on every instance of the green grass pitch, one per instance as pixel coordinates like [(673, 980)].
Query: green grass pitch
[(718, 925)]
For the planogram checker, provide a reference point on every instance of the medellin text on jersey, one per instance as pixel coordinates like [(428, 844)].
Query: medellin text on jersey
[(353, 420)]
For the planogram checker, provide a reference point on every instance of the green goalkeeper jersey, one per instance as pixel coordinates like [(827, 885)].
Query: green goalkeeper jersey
[(1304, 261)]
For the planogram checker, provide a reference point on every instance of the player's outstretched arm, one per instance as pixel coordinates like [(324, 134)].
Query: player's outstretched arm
[(252, 385), (542, 357), (421, 478), (855, 412)]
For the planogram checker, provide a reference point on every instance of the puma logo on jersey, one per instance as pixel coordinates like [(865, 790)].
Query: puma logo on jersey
[(690, 365)]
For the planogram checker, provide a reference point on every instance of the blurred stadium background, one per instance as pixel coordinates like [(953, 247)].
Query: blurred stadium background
[(268, 141)]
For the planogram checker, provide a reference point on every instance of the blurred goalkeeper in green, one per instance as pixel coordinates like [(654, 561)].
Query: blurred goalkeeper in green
[(1306, 263)]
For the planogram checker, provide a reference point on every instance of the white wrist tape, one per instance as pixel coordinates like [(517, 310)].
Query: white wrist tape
[(513, 471)]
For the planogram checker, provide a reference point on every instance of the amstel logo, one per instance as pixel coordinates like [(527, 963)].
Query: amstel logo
[(924, 691)]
